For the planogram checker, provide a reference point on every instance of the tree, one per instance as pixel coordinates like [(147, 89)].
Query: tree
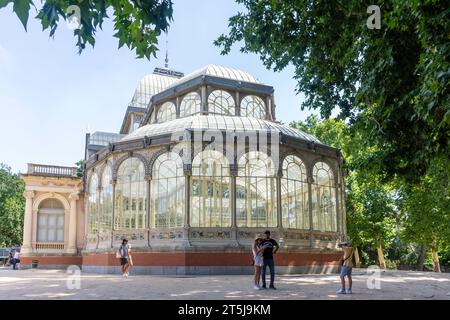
[(80, 168), (12, 206), (426, 208), (137, 23), (371, 214), (391, 84), (370, 201)]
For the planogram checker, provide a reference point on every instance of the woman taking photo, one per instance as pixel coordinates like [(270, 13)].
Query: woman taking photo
[(258, 261)]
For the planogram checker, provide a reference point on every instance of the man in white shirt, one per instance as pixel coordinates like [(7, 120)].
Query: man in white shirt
[(16, 260)]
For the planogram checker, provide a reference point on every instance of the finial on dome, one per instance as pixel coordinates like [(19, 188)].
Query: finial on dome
[(166, 64)]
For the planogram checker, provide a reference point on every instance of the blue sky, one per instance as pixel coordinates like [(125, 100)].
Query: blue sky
[(50, 96)]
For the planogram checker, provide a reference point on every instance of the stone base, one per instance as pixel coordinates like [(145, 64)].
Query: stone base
[(208, 263), (50, 261)]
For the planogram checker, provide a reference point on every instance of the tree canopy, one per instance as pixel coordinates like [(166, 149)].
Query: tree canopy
[(391, 84), (389, 215), (137, 23), (12, 206)]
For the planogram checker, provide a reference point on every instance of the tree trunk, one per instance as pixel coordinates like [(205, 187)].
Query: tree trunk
[(381, 256), (434, 257), (421, 257), (356, 255)]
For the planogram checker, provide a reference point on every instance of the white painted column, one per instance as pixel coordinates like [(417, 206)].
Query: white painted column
[(28, 222), (72, 247)]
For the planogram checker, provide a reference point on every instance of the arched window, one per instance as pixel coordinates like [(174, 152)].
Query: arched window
[(93, 204), (106, 203), (210, 190), (190, 104), (221, 102), (50, 223), (294, 194), (253, 106), (323, 198), (167, 112), (152, 117), (131, 195), (256, 202), (167, 191)]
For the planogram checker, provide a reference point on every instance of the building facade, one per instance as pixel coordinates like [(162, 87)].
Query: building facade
[(198, 169)]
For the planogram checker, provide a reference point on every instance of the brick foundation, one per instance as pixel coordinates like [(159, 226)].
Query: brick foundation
[(50, 262), (211, 262)]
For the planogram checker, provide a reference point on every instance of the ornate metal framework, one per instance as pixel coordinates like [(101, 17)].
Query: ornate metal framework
[(179, 188)]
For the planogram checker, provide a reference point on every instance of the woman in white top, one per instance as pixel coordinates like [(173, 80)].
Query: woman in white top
[(258, 261)]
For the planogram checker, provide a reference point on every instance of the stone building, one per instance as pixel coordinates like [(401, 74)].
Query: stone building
[(199, 168)]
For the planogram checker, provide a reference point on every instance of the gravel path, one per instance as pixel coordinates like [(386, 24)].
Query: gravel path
[(53, 284)]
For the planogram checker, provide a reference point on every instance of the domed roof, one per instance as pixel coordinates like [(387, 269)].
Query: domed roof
[(149, 85), (222, 72), (155, 83), (218, 122)]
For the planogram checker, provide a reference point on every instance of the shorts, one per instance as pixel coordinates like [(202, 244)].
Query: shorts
[(123, 261), (258, 262), (346, 271)]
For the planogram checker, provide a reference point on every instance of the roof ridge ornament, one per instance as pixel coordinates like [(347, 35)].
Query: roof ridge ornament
[(166, 64), (166, 71)]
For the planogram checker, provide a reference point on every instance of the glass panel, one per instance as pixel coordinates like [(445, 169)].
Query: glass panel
[(294, 194), (324, 198), (167, 112), (168, 188), (51, 235), (42, 220), (93, 203), (221, 102), (131, 190), (105, 206), (60, 235), (253, 106), (210, 190), (60, 221), (190, 104), (51, 221), (42, 234), (256, 191)]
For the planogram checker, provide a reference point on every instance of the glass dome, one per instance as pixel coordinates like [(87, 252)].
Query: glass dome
[(149, 85)]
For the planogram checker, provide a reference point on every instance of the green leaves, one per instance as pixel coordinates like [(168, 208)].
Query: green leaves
[(22, 9), (137, 23), (391, 84), (12, 206), (4, 3)]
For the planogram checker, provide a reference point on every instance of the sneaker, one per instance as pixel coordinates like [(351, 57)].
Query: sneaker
[(256, 287), (263, 287), (348, 291), (272, 287), (341, 291)]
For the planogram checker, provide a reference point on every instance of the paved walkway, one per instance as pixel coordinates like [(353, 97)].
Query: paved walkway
[(52, 284)]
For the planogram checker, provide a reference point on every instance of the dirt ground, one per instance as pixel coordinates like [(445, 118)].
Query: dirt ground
[(57, 284)]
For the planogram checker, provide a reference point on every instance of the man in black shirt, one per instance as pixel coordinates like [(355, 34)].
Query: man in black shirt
[(272, 248)]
